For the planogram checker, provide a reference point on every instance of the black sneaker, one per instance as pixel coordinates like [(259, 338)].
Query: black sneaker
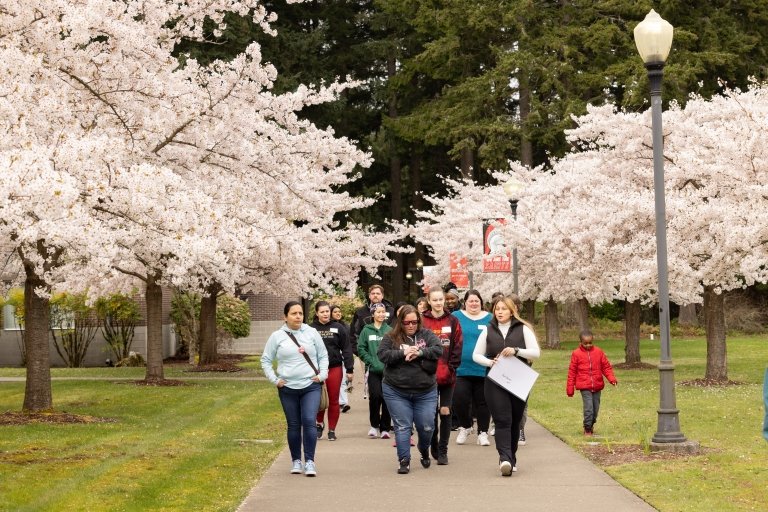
[(521, 439), (331, 435), (320, 428), (433, 451), (442, 459), (425, 462), (405, 467), (345, 408)]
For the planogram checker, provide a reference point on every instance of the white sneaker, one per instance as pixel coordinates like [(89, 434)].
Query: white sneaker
[(461, 437), (482, 439), (385, 435), (373, 433), (505, 468), (492, 430), (514, 469)]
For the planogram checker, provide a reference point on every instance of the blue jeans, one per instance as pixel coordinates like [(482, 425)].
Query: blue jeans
[(300, 408), (591, 403), (406, 409)]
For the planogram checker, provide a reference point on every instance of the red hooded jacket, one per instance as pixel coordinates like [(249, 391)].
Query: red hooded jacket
[(448, 329), (587, 369)]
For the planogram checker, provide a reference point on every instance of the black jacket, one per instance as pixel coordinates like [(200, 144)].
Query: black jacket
[(336, 339), (417, 375)]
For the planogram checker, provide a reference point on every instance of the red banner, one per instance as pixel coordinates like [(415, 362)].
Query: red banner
[(496, 256), (459, 272)]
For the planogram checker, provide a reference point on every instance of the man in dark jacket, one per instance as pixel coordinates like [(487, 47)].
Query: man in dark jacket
[(363, 313)]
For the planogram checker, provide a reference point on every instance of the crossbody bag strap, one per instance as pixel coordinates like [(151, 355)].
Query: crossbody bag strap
[(293, 338)]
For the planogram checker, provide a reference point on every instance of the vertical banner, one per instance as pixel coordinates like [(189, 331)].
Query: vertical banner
[(459, 271), (496, 256)]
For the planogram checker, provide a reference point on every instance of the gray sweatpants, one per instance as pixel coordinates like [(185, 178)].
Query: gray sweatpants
[(591, 403)]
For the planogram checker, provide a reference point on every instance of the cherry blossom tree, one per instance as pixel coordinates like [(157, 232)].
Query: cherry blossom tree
[(124, 164)]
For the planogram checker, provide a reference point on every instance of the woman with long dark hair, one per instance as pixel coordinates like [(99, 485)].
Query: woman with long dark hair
[(410, 355), (302, 366), (340, 356), (507, 335)]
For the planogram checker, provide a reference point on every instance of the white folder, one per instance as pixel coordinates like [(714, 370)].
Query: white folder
[(514, 375)]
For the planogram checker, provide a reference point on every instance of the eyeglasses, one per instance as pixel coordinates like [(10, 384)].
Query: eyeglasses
[(410, 322)]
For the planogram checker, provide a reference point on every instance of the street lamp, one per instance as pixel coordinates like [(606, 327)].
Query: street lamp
[(512, 190), (408, 277), (420, 268), (653, 37)]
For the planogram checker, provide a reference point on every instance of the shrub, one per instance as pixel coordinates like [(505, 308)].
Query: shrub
[(16, 299), (73, 326), (233, 317), (118, 314), (133, 360)]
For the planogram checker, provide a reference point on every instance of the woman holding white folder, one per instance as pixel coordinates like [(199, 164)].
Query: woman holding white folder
[(507, 335)]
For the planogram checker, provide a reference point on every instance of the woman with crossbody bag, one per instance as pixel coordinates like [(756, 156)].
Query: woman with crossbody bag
[(302, 366)]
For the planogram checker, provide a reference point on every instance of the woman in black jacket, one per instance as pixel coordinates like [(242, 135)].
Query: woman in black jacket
[(336, 339), (410, 355)]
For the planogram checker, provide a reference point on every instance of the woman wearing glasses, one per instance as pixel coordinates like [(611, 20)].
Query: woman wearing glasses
[(410, 355)]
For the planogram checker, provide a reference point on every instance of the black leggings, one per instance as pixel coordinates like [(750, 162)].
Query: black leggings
[(469, 399), (443, 422), (377, 408), (507, 411)]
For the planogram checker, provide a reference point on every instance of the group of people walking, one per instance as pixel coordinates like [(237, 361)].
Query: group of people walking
[(422, 363)]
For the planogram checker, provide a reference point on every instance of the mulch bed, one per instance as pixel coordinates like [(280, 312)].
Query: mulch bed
[(706, 383), (226, 364), (58, 418), (160, 383), (635, 366), (605, 454)]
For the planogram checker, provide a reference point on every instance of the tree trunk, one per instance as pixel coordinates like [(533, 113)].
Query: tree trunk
[(526, 147), (582, 314), (38, 396), (552, 323), (395, 181), (688, 315), (208, 349), (154, 299), (632, 312), (714, 319), (467, 164), (529, 310)]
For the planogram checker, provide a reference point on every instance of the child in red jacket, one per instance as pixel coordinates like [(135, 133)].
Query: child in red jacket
[(585, 373)]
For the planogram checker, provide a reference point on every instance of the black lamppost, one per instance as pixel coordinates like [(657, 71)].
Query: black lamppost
[(512, 190), (420, 269), (653, 37)]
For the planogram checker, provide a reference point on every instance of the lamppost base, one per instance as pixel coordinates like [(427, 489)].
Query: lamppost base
[(685, 447)]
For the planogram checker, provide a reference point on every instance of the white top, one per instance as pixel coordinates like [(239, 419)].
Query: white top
[(531, 350)]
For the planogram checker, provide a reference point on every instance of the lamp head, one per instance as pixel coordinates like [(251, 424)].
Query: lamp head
[(419, 264), (653, 38), (408, 276), (512, 188)]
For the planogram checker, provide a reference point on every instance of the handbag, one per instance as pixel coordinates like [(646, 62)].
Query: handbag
[(323, 390)]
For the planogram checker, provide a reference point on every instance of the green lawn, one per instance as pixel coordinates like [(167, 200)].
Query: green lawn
[(196, 447), (730, 474)]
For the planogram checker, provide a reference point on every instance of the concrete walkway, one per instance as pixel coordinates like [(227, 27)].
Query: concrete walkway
[(357, 473)]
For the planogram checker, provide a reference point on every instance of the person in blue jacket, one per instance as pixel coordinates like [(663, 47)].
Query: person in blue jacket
[(302, 366)]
